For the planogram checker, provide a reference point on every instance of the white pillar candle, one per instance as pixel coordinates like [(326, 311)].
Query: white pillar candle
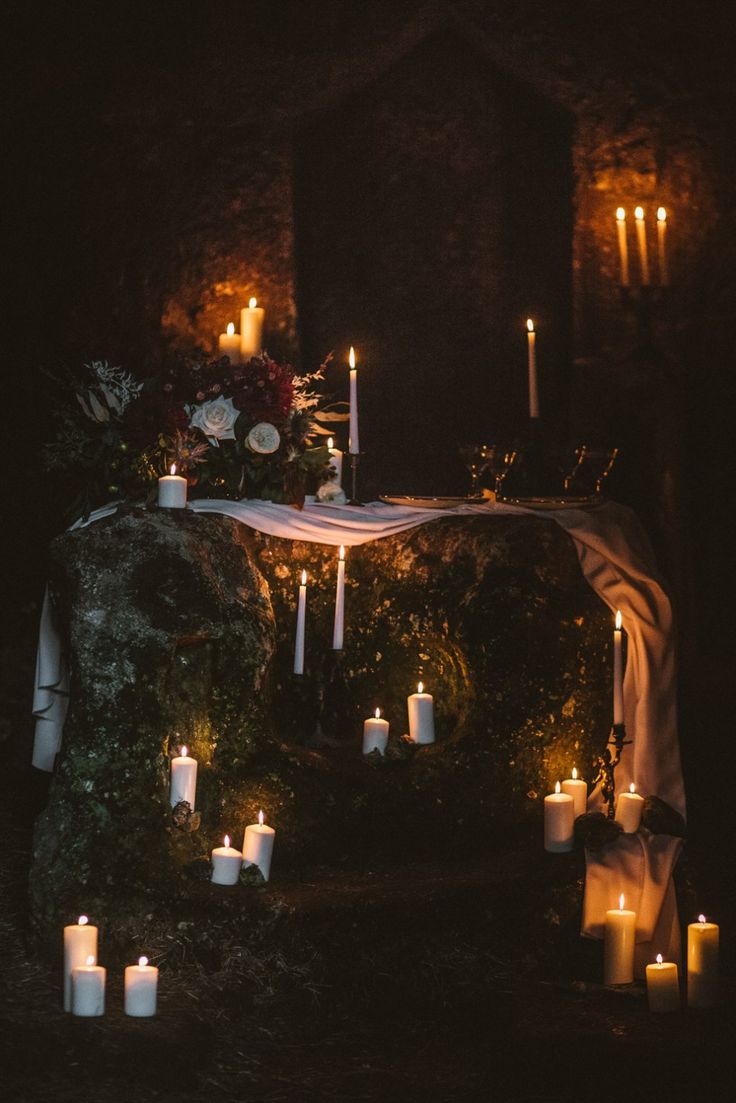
[(629, 807), (702, 963), (618, 671), (172, 490), (258, 846), (559, 821), (663, 986), (641, 240), (531, 338), (335, 460), (301, 618), (618, 945), (88, 989), (421, 715), (338, 630), (141, 985), (375, 734), (251, 330), (576, 788), (183, 779), (664, 275), (226, 864), (623, 246), (80, 943), (229, 344), (353, 440)]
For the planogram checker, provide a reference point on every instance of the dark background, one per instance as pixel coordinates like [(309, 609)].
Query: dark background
[(414, 179)]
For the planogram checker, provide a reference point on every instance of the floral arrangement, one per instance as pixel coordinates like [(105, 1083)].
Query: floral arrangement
[(234, 431)]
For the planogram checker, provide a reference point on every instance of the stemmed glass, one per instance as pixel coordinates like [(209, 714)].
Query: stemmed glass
[(591, 469), (498, 463), (483, 459), (474, 458)]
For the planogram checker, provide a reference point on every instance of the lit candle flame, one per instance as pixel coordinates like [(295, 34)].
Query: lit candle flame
[(83, 920), (378, 714), (230, 329), (172, 469), (90, 959), (227, 840), (621, 902), (558, 787), (304, 578), (620, 214), (342, 552), (530, 325), (260, 817), (632, 788), (661, 214), (351, 357), (618, 620), (659, 959), (701, 919), (184, 752), (639, 214), (142, 962), (252, 302), (574, 773), (420, 687), (330, 443)]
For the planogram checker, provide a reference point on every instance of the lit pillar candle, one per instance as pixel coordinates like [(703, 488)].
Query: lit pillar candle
[(172, 490), (375, 734), (301, 619), (88, 989), (421, 716), (229, 344), (663, 986), (226, 864), (258, 846), (353, 442), (183, 779), (335, 460), (531, 338), (629, 807), (80, 943), (559, 821), (338, 630), (141, 986), (641, 241), (618, 945), (623, 246), (664, 276), (618, 672), (576, 788), (251, 330), (702, 963)]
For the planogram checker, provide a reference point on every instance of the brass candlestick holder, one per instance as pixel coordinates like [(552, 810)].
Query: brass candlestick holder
[(607, 763), (354, 459)]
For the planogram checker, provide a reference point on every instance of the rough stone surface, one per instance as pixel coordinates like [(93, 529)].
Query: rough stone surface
[(181, 631)]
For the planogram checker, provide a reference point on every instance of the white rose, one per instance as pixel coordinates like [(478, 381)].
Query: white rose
[(216, 419), (263, 438), (331, 492)]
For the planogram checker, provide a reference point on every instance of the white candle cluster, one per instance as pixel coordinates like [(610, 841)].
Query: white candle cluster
[(85, 980), (420, 707)]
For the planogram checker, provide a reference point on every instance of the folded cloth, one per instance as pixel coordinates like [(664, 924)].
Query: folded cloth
[(50, 692), (639, 866)]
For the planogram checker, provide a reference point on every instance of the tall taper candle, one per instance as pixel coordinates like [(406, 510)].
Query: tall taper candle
[(641, 240), (618, 672), (702, 963), (623, 246), (532, 357), (339, 626), (618, 945), (301, 616), (354, 442), (664, 275), (80, 943)]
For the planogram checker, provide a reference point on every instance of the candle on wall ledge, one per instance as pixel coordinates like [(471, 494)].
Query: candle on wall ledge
[(335, 460), (559, 821), (421, 716), (226, 864), (629, 807), (80, 943), (618, 945), (702, 963), (531, 338), (88, 989), (663, 986), (664, 276), (229, 344), (301, 618), (251, 329), (623, 246), (641, 240), (141, 988), (618, 671), (172, 490), (353, 440), (183, 779), (258, 846), (338, 630), (375, 734), (576, 788)]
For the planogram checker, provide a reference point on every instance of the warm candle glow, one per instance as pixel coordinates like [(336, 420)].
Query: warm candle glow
[(530, 325), (659, 959), (618, 620), (183, 752), (142, 962), (351, 357), (574, 773), (342, 552), (172, 469), (252, 303), (701, 919), (639, 214), (420, 687), (620, 214), (90, 959), (304, 578), (557, 787), (82, 920), (632, 788), (621, 902), (227, 840), (661, 214), (260, 817), (330, 443), (230, 329), (378, 714)]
